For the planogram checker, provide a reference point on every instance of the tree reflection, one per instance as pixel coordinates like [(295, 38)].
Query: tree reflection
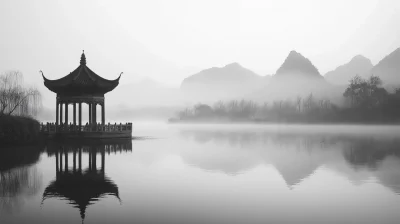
[(370, 152), (19, 179)]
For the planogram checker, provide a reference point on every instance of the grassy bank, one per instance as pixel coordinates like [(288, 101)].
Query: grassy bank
[(18, 130)]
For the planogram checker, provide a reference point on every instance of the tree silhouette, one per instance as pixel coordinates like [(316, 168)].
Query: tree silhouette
[(15, 99)]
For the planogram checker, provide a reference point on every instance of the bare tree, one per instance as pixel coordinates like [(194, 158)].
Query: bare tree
[(321, 103), (298, 103), (308, 102), (15, 99), (219, 108), (327, 104), (186, 113)]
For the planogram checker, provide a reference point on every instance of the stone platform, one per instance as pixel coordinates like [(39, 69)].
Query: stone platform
[(94, 131)]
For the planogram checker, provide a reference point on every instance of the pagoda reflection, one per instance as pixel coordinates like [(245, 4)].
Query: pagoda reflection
[(83, 186)]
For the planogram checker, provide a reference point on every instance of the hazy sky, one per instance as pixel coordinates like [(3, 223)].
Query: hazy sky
[(169, 40)]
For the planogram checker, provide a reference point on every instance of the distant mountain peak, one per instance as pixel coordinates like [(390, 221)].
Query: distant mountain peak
[(360, 57), (358, 65), (233, 65), (361, 60), (296, 63), (218, 83), (294, 53), (226, 73)]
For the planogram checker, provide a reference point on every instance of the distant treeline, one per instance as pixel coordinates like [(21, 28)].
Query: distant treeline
[(367, 102)]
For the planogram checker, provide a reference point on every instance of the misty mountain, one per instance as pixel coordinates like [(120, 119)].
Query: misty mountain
[(222, 83), (358, 65), (388, 69), (297, 76), (296, 66)]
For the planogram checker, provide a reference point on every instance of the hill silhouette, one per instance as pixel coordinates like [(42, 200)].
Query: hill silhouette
[(221, 83), (297, 76), (297, 65), (388, 68), (358, 65)]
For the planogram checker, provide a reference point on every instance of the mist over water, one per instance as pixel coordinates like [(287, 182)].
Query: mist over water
[(224, 174), (203, 112)]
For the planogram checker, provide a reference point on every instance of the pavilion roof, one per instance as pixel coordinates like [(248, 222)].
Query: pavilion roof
[(81, 81)]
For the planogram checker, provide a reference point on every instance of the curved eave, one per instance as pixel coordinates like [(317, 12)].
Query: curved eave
[(100, 85), (80, 192), (81, 199), (47, 83), (53, 85), (57, 81), (101, 79)]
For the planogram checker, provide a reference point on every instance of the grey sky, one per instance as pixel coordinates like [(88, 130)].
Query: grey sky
[(168, 40)]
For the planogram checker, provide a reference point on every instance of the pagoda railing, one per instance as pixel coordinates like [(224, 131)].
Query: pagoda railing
[(53, 128)]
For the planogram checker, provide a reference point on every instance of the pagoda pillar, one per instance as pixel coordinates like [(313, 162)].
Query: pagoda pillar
[(80, 115), (66, 114), (57, 113), (90, 113), (74, 111), (61, 113), (103, 115), (94, 113)]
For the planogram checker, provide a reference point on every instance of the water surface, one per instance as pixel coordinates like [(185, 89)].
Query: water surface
[(209, 174)]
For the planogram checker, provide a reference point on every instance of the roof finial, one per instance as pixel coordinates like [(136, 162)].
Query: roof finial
[(83, 58)]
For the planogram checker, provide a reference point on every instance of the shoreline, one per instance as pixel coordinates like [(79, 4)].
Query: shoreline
[(280, 123)]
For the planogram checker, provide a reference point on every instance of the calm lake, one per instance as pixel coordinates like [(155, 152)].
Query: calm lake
[(229, 174)]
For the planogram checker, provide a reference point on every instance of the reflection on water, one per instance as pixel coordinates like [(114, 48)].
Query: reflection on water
[(12, 157), (18, 177), (296, 154), (83, 186), (209, 174), (15, 185)]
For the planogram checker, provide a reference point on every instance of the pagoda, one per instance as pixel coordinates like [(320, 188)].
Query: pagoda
[(82, 86)]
